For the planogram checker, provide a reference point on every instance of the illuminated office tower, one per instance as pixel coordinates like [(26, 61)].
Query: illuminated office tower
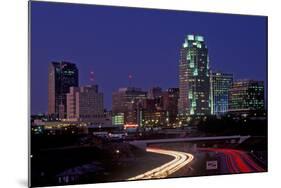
[(220, 85), (194, 77), (246, 95), (61, 76)]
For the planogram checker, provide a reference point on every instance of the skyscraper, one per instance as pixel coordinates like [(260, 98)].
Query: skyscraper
[(85, 104), (154, 93), (220, 85), (61, 76), (170, 102), (246, 95), (194, 77)]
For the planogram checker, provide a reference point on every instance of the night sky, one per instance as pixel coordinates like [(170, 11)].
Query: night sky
[(116, 41)]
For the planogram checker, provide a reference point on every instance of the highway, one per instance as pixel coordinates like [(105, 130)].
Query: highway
[(142, 144), (180, 160), (236, 161)]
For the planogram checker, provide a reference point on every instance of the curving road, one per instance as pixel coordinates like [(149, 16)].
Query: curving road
[(236, 161), (180, 160)]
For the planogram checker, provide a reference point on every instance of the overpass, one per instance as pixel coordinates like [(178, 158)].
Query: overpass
[(143, 143)]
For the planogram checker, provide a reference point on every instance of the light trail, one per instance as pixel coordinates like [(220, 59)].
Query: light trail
[(237, 161), (180, 160)]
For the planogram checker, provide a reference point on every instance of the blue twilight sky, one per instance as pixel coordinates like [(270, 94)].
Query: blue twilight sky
[(117, 41)]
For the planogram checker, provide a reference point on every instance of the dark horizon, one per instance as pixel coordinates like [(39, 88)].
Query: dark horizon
[(117, 41)]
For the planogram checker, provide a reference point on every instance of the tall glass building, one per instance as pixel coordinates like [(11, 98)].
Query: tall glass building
[(61, 76), (194, 77), (220, 85)]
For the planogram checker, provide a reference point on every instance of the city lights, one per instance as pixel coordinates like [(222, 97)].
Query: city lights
[(134, 105)]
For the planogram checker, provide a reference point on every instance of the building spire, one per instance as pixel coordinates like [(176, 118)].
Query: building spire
[(130, 77), (92, 77)]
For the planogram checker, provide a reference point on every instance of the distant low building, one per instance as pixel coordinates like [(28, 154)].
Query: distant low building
[(246, 95), (154, 118), (128, 101), (107, 117), (136, 107), (118, 119), (49, 128), (161, 108)]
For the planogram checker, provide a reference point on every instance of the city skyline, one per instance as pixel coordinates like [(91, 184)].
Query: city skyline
[(137, 94), (150, 62)]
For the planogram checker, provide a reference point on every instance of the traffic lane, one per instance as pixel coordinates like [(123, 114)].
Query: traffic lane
[(180, 160), (237, 161)]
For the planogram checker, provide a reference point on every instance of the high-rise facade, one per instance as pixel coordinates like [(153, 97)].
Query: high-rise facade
[(154, 93), (85, 104), (61, 76), (194, 77), (220, 85), (170, 102), (246, 95)]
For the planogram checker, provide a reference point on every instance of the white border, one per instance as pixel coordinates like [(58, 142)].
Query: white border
[(14, 91), (249, 6)]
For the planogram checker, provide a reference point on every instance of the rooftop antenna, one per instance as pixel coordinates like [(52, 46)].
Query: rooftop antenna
[(130, 77), (92, 77)]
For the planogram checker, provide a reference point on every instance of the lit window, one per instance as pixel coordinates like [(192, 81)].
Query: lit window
[(199, 38), (195, 72), (190, 37), (193, 104), (191, 64), (191, 111), (190, 96)]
